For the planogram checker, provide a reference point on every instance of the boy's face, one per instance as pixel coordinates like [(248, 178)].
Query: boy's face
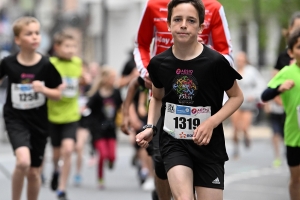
[(185, 24), (295, 52), (66, 49), (29, 37)]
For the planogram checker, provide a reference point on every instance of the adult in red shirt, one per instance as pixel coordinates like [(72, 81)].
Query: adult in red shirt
[(153, 28)]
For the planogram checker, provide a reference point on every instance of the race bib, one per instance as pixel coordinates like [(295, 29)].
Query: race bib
[(71, 89), (181, 121), (298, 114), (23, 97)]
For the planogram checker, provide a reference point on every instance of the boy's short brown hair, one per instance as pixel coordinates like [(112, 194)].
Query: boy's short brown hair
[(21, 22), (60, 37), (293, 38), (198, 4)]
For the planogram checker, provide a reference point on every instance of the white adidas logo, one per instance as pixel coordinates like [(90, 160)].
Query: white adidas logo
[(216, 181)]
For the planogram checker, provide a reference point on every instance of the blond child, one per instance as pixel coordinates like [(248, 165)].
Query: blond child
[(31, 80)]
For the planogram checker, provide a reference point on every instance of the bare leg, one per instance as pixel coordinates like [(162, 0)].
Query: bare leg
[(34, 183), (276, 144), (162, 188), (235, 121), (55, 158), (181, 182), (295, 183), (209, 193), (81, 138), (21, 170), (247, 121), (66, 152)]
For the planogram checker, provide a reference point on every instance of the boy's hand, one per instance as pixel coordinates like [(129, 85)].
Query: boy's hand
[(287, 85), (144, 137), (125, 124), (38, 86), (62, 86), (203, 133)]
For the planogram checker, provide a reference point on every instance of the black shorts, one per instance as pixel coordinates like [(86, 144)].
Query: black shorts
[(178, 152), (58, 132), (159, 166), (83, 122), (277, 123), (293, 156), (21, 135)]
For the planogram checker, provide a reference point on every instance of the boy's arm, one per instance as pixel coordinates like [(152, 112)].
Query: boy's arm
[(144, 137), (203, 133), (51, 93), (132, 88), (220, 34), (271, 93), (143, 41)]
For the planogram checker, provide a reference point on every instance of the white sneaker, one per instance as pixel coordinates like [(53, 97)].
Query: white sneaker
[(148, 185)]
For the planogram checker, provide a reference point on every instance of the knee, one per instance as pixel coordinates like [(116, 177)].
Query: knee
[(23, 165), (295, 182), (67, 152), (33, 174)]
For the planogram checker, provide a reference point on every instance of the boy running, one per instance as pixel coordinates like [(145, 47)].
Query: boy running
[(31, 80), (286, 83), (64, 114), (188, 87)]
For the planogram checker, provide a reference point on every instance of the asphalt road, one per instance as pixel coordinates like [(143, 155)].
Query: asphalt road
[(247, 178)]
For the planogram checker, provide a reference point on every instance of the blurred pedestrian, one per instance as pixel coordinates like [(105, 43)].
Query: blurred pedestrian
[(103, 104), (82, 133), (277, 115), (286, 83), (32, 79), (251, 85), (64, 114)]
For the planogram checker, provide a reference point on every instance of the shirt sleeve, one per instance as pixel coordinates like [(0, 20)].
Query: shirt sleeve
[(54, 78), (2, 68), (225, 74), (93, 101), (143, 41), (153, 73), (220, 39)]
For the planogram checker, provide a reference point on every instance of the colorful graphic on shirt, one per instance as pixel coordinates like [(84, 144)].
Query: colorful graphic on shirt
[(109, 108), (186, 88), (27, 78)]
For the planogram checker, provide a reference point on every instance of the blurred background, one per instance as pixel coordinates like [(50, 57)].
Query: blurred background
[(106, 30)]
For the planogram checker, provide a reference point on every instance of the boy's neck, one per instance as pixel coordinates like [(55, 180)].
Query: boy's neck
[(28, 58), (187, 52)]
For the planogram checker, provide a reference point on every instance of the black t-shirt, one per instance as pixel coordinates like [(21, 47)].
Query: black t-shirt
[(103, 116), (19, 91), (197, 82), (283, 60)]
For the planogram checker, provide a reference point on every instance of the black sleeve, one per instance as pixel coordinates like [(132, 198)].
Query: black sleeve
[(93, 101), (154, 73), (269, 93), (282, 60), (2, 68), (225, 74), (129, 66), (53, 79)]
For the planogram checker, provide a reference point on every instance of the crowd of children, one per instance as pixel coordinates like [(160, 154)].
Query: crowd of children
[(67, 100)]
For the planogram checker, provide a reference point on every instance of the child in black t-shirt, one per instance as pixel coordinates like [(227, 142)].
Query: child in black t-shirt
[(104, 103), (31, 80), (189, 81)]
